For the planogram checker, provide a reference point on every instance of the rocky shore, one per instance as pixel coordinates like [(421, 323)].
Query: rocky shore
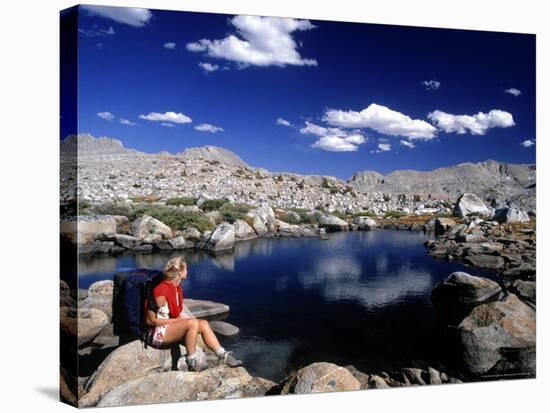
[(494, 321), (130, 373)]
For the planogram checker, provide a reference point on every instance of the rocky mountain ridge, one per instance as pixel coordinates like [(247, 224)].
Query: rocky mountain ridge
[(491, 180), (108, 171)]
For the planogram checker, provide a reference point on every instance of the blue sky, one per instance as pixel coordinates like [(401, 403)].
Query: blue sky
[(348, 96)]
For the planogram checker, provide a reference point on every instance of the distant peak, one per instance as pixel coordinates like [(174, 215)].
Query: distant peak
[(213, 153), (85, 144)]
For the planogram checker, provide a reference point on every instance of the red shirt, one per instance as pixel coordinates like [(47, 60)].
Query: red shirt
[(173, 295)]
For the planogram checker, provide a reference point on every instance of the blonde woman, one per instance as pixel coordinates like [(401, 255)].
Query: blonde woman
[(169, 325)]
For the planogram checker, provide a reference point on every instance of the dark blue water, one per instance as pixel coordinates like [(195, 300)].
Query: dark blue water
[(360, 298)]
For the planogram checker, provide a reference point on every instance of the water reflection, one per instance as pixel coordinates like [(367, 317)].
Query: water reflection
[(342, 278), (294, 299)]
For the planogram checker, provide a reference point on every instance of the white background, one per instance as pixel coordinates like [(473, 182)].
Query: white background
[(29, 195)]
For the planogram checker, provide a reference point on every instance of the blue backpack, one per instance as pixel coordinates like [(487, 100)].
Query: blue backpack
[(131, 291)]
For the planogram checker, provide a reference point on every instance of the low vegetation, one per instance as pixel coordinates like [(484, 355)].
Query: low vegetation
[(212, 204), (232, 212), (187, 201)]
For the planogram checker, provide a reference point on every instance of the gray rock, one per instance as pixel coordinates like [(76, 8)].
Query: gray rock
[(85, 324), (365, 223), (320, 378), (100, 297), (526, 290), (485, 261), (126, 241), (100, 247), (223, 328), (191, 234), (442, 225), (122, 224), (470, 204), (222, 238), (178, 243), (466, 288), (164, 245), (288, 230), (150, 230), (415, 376), (203, 308), (496, 332), (333, 223), (377, 382), (258, 224), (434, 376), (477, 237), (143, 248), (211, 384), (510, 215), (524, 270), (243, 231), (361, 377), (65, 298), (85, 229), (128, 362), (489, 248), (263, 220)]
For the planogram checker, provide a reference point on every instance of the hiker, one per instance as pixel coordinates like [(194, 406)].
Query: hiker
[(169, 325)]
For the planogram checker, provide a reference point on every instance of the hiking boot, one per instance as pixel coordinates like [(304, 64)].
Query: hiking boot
[(197, 363), (227, 359)]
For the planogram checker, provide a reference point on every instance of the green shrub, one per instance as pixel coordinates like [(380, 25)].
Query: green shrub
[(112, 208), (174, 218), (181, 201), (232, 212), (213, 204), (340, 214), (363, 214), (394, 214), (305, 217), (289, 219), (145, 198)]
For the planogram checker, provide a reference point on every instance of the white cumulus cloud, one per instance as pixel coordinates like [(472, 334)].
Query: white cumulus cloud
[(337, 144), (169, 45), (384, 147), (208, 67), (127, 122), (96, 31), (383, 120), (527, 143), (431, 84), (408, 144), (167, 125), (513, 91), (258, 41), (106, 115), (283, 122), (126, 15), (334, 139), (206, 127), (172, 117), (477, 124)]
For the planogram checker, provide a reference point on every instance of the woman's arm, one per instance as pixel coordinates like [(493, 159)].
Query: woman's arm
[(152, 319)]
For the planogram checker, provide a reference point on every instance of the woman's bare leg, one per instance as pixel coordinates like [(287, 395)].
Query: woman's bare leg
[(208, 335), (187, 329)]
